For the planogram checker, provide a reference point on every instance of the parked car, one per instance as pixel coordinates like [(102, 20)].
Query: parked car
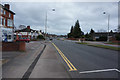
[(51, 39)]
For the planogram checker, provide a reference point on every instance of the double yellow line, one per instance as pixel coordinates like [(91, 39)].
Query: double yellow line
[(70, 65)]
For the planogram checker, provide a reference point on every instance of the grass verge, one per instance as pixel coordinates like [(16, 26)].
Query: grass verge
[(112, 43), (106, 47), (101, 46), (81, 43)]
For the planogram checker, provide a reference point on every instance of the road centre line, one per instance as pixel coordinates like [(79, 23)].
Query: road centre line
[(94, 71), (69, 61), (63, 57), (70, 65)]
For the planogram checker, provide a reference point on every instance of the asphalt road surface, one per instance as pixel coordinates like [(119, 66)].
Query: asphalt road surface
[(90, 59)]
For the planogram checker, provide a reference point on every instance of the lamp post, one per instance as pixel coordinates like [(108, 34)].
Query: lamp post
[(108, 24), (46, 24)]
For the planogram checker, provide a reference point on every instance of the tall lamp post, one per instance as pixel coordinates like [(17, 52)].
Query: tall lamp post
[(46, 24), (108, 24)]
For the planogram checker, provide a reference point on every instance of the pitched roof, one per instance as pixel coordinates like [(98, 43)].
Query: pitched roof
[(26, 30), (7, 9)]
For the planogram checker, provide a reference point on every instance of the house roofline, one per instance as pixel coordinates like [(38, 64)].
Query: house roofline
[(7, 9)]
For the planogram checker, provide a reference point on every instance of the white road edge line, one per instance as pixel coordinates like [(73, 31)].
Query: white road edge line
[(117, 70), (103, 70)]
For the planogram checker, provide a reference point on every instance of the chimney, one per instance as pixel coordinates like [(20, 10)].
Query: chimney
[(7, 6), (28, 27)]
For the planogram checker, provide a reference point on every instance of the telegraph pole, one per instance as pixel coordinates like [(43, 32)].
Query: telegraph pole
[(108, 25), (46, 26)]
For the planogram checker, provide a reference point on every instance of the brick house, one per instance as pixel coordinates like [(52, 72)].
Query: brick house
[(6, 16), (6, 23)]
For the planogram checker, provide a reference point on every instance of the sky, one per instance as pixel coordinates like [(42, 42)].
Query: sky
[(89, 14)]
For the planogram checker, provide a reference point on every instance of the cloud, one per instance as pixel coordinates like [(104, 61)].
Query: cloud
[(89, 14)]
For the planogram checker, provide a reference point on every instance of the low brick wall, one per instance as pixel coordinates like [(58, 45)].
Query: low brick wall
[(13, 46)]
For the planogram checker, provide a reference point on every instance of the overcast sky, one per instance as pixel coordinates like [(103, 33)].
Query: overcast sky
[(89, 14)]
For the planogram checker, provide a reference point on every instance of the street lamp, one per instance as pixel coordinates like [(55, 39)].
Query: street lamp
[(108, 24), (46, 24)]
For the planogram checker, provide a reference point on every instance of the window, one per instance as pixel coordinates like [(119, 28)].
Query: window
[(10, 22), (1, 10), (4, 12), (4, 21), (9, 14), (8, 36), (0, 20)]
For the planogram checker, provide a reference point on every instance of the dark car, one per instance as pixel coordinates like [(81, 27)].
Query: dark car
[(51, 39)]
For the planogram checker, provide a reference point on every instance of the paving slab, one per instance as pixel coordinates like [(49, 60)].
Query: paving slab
[(49, 65), (20, 61)]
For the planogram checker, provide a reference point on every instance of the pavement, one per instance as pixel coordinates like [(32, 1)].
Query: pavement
[(90, 62), (49, 65), (19, 62), (40, 60)]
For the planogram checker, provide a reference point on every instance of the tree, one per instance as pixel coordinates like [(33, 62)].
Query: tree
[(119, 29), (117, 36), (87, 35), (71, 31), (70, 35), (40, 37), (111, 31), (77, 31), (92, 32)]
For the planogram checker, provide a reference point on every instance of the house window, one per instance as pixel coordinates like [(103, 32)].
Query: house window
[(4, 12), (8, 36), (1, 20), (10, 22), (9, 14), (1, 10), (4, 22)]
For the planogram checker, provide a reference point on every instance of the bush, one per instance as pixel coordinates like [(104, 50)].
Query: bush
[(89, 39), (117, 37), (102, 38), (40, 37)]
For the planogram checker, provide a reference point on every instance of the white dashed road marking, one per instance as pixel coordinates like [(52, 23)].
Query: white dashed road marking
[(103, 70)]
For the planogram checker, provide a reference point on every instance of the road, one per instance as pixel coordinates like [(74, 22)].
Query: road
[(88, 58), (60, 59)]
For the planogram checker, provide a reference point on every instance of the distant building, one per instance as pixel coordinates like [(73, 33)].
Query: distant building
[(21, 27), (28, 32), (112, 35)]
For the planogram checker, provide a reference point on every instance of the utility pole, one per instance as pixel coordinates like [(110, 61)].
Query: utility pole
[(46, 24), (108, 25)]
